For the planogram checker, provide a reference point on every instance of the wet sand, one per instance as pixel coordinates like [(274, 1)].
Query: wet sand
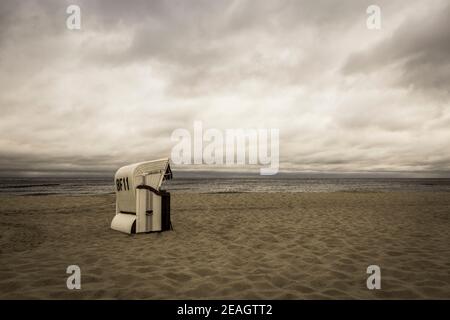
[(230, 246)]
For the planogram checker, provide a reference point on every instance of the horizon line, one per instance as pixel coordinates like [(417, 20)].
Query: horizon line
[(191, 173)]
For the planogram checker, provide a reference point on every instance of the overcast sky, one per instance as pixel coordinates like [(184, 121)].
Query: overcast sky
[(344, 97)]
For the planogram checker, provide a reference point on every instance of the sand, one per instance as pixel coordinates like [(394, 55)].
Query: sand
[(230, 246)]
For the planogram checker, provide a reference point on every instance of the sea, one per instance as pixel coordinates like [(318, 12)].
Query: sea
[(225, 184)]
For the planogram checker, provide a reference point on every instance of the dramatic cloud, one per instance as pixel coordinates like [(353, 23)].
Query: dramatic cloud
[(344, 97), (419, 50)]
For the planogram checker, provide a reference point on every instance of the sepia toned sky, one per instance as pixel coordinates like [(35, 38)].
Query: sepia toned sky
[(345, 98)]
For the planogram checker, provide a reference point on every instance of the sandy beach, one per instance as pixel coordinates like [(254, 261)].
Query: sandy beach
[(231, 246)]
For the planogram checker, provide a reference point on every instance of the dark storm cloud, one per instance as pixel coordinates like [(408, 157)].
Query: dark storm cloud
[(419, 52), (114, 91)]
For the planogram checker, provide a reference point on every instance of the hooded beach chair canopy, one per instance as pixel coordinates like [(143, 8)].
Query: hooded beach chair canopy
[(128, 178), (155, 172), (138, 195)]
